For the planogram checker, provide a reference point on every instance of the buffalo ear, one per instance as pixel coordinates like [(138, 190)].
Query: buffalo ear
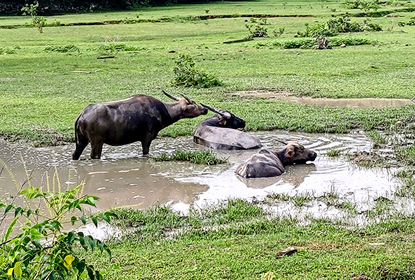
[(290, 152)]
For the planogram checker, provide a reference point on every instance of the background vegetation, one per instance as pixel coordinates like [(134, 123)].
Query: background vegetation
[(48, 78)]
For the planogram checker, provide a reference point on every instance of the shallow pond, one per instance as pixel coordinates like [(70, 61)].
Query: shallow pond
[(123, 178)]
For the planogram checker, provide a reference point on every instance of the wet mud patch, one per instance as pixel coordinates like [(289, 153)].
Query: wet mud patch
[(123, 178), (330, 102)]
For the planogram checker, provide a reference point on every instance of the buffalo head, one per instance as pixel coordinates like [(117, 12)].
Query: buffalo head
[(293, 153)]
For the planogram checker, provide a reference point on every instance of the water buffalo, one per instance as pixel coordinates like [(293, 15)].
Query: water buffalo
[(220, 132), (137, 118), (267, 163)]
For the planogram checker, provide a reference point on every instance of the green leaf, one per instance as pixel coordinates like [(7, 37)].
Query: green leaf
[(18, 269), (73, 220), (71, 237), (83, 219), (80, 266), (8, 208), (10, 229), (90, 272), (95, 221), (17, 211), (92, 243)]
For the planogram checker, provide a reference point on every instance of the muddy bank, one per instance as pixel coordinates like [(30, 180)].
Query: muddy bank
[(331, 102)]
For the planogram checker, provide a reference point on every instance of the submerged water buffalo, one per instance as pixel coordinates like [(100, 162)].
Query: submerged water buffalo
[(137, 118), (220, 132), (267, 163)]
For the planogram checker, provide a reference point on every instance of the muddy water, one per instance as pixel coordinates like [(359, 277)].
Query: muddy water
[(124, 178)]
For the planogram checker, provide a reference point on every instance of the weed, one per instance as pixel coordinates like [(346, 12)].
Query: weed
[(37, 21), (406, 155), (185, 74), (333, 153), (278, 196), (198, 157), (302, 198), (377, 138), (62, 49), (362, 4), (337, 25), (7, 50), (117, 47), (278, 33), (256, 28)]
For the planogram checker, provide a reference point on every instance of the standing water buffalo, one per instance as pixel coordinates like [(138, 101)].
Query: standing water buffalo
[(138, 118), (267, 163), (220, 132)]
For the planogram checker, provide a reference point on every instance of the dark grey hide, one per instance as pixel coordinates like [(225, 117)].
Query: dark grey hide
[(138, 118), (267, 163), (221, 132)]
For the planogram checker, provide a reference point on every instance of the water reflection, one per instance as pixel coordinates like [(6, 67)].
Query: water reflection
[(124, 178)]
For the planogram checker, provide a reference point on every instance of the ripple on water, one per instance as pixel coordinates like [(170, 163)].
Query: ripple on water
[(124, 178)]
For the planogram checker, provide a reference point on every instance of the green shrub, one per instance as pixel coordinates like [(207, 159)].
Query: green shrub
[(40, 248), (256, 28), (62, 49), (113, 47), (337, 25), (198, 157), (185, 74)]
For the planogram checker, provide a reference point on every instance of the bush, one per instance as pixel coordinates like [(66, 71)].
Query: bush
[(41, 248), (336, 26), (62, 49), (186, 75)]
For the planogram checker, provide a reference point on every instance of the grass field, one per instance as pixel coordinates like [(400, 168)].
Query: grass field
[(47, 78), (43, 91)]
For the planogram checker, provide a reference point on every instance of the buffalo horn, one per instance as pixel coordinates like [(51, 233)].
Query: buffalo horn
[(187, 98), (224, 114), (283, 142), (171, 96)]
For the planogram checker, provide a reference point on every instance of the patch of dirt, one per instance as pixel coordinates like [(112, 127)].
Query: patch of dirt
[(330, 102)]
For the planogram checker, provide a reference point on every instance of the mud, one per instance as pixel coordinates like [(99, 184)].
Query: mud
[(123, 178)]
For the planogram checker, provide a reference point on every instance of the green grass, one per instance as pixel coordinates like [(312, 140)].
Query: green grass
[(47, 78), (230, 249), (42, 93), (198, 157)]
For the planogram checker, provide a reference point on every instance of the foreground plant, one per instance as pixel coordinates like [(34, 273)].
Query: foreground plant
[(40, 248)]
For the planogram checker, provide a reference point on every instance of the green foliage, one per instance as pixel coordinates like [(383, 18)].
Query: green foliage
[(41, 248), (37, 21), (333, 153), (118, 47), (256, 28), (185, 74), (337, 25), (62, 49), (199, 157), (365, 5)]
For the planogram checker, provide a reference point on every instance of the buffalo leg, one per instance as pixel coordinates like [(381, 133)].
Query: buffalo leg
[(96, 149), (79, 148), (145, 144)]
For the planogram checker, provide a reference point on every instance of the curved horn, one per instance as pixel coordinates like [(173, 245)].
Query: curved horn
[(169, 95), (226, 115), (211, 108), (283, 142), (187, 98)]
